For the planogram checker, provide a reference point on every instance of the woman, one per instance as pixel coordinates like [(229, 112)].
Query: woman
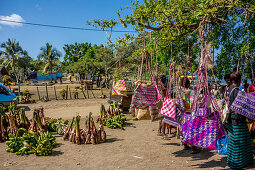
[(252, 86), (215, 93), (239, 153), (188, 97), (162, 87)]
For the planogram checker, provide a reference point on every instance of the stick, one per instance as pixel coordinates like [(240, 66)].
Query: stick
[(70, 93), (66, 91), (19, 88), (87, 90), (47, 94), (83, 93), (55, 93), (38, 93)]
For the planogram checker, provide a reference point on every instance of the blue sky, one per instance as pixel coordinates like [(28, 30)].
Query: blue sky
[(73, 13)]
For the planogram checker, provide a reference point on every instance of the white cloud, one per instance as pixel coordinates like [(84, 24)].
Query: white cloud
[(12, 17)]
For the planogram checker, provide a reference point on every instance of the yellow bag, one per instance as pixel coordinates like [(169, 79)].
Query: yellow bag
[(143, 114)]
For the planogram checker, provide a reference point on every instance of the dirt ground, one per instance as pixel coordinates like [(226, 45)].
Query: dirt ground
[(136, 147)]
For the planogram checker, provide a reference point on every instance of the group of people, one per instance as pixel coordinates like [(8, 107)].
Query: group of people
[(239, 150)]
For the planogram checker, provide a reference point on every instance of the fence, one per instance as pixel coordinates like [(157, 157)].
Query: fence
[(54, 92)]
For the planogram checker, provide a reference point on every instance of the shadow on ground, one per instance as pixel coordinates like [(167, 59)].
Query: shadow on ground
[(111, 140), (221, 164), (203, 155)]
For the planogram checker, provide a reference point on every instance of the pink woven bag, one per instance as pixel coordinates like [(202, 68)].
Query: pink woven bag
[(169, 108)]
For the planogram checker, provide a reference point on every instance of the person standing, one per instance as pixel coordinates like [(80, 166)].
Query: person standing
[(239, 152), (252, 86), (224, 89), (246, 86)]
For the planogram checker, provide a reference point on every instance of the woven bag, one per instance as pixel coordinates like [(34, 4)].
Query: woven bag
[(244, 104), (202, 131)]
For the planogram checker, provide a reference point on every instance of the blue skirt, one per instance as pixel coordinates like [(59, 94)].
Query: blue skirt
[(239, 146)]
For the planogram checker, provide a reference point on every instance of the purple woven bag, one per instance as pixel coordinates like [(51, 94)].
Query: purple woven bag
[(174, 122), (244, 104), (201, 131)]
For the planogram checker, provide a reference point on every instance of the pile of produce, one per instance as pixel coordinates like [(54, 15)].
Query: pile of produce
[(10, 123), (30, 142), (57, 125), (38, 121), (89, 134), (26, 98), (23, 137), (111, 118)]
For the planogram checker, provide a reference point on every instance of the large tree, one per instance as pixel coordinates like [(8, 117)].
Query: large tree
[(11, 54), (50, 56), (173, 26)]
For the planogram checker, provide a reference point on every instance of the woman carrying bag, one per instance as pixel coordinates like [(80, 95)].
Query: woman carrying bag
[(239, 153)]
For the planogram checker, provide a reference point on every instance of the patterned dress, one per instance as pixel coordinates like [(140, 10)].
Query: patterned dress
[(239, 143)]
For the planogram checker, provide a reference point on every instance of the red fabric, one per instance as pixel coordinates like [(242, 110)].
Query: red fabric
[(251, 89), (162, 87)]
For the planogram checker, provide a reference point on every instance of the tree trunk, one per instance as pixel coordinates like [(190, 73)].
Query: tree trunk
[(50, 73)]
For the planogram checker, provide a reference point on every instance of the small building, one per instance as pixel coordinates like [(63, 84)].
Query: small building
[(3, 72)]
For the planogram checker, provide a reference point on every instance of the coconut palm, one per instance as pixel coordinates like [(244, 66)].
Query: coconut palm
[(11, 54), (50, 56)]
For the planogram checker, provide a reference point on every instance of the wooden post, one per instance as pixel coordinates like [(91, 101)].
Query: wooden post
[(70, 93), (47, 94), (19, 88), (66, 91), (38, 93), (55, 93), (92, 92), (83, 93), (87, 90)]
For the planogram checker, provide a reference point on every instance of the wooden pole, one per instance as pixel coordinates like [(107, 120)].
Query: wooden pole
[(38, 93), (70, 93), (19, 88), (92, 92), (47, 94), (87, 90), (83, 93), (66, 91), (55, 93)]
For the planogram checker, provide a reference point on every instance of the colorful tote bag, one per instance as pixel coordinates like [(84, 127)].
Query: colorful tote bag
[(169, 108), (178, 118), (119, 88), (145, 95), (244, 104), (201, 131)]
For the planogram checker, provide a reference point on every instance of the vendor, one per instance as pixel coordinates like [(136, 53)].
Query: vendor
[(239, 152)]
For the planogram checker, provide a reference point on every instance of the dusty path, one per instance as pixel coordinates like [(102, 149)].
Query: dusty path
[(136, 147)]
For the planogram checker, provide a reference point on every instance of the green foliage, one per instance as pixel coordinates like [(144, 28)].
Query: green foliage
[(63, 93), (75, 93), (27, 94), (11, 55)]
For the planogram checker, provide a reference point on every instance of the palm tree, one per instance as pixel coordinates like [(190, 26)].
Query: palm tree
[(11, 54), (50, 55)]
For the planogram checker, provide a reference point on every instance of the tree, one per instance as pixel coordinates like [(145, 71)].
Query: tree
[(50, 56), (11, 54), (167, 28)]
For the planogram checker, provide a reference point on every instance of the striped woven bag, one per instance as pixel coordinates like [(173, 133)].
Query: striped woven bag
[(202, 131)]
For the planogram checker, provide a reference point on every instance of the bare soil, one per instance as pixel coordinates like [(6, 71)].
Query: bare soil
[(136, 147)]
